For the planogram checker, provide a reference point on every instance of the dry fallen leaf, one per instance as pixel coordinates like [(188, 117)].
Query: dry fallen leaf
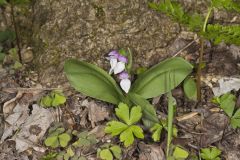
[(30, 122), (96, 111), (213, 127), (150, 152), (34, 128), (15, 120), (226, 84)]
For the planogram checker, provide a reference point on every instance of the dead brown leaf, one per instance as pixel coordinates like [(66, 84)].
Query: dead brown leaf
[(213, 127), (96, 111), (150, 152)]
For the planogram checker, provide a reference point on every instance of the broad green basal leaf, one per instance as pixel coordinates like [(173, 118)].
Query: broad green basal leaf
[(92, 81), (161, 78)]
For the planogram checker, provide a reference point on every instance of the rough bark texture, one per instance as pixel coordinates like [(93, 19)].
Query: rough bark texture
[(89, 29)]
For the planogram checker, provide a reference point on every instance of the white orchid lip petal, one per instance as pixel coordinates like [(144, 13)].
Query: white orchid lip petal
[(113, 64), (125, 85), (119, 67)]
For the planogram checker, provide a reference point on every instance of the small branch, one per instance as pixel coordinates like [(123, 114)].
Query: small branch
[(16, 32), (29, 89), (199, 70), (185, 47)]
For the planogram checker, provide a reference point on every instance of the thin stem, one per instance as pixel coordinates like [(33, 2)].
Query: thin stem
[(199, 70), (170, 121), (16, 32), (206, 19), (130, 60)]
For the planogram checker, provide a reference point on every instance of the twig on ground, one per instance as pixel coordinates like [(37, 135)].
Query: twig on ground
[(185, 47), (30, 89)]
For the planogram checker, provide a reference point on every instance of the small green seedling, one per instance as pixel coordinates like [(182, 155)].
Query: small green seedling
[(58, 138), (126, 130), (210, 153), (157, 130), (84, 139), (109, 152), (54, 99), (69, 154), (227, 103)]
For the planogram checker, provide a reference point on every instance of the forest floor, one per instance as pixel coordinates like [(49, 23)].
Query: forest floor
[(25, 123)]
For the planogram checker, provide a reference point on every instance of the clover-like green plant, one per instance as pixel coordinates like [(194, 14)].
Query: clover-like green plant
[(210, 153), (58, 138), (227, 103), (68, 141), (84, 139), (127, 129), (54, 99), (157, 130), (109, 152)]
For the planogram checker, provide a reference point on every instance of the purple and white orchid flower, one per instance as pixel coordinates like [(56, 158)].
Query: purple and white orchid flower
[(117, 62), (125, 82)]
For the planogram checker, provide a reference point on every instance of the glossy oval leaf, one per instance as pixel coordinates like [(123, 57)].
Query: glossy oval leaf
[(190, 89), (162, 77), (92, 81)]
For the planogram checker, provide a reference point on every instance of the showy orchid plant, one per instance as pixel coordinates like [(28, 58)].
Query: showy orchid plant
[(161, 78), (97, 83)]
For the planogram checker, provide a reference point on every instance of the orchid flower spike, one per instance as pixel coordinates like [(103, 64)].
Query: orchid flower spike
[(117, 62), (125, 82)]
